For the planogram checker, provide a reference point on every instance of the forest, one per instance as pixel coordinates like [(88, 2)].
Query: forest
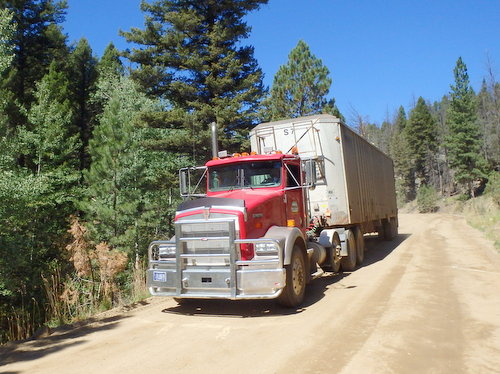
[(90, 149)]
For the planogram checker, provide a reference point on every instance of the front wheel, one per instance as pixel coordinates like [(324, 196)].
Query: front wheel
[(295, 288)]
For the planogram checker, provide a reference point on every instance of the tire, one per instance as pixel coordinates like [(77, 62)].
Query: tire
[(390, 228), (332, 262), (296, 277), (360, 245), (395, 224), (349, 262), (184, 302)]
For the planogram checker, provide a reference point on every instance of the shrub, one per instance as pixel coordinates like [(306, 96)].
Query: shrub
[(426, 199), (493, 187)]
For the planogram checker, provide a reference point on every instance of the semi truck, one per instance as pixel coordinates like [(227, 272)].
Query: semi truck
[(268, 222)]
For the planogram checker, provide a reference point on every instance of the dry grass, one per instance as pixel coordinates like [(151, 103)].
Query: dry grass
[(483, 213)]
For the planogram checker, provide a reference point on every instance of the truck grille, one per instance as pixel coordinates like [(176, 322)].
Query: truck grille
[(209, 238)]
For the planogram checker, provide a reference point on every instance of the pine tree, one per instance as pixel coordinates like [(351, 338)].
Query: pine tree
[(82, 68), (421, 134), (300, 87), (442, 178), (7, 30), (192, 57), (489, 121), (116, 174), (37, 41), (36, 201), (402, 157), (51, 143), (110, 70), (463, 142)]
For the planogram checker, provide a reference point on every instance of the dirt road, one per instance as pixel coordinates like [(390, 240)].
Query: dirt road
[(429, 302)]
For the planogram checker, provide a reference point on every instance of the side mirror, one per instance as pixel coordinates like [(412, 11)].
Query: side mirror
[(310, 169), (192, 181), (183, 182)]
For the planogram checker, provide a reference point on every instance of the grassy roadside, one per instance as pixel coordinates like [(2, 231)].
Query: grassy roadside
[(483, 213)]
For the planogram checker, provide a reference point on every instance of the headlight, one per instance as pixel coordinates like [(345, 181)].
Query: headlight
[(266, 249), (166, 251)]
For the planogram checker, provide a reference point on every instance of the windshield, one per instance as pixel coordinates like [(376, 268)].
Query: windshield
[(245, 175)]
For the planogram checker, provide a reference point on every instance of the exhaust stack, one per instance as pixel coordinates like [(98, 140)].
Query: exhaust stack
[(215, 148)]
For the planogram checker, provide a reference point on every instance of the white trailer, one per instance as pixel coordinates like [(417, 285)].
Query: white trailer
[(354, 186)]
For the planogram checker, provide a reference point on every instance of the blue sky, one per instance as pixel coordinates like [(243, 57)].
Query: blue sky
[(381, 54)]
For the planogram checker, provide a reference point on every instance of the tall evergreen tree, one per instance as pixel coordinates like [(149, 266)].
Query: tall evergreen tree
[(82, 67), (7, 30), (37, 41), (116, 175), (463, 142), (191, 56), (36, 201), (489, 121), (51, 141), (109, 72), (402, 157), (421, 135), (300, 87), (442, 178)]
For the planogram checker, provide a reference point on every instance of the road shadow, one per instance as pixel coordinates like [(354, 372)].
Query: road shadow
[(61, 338), (315, 291), (377, 250)]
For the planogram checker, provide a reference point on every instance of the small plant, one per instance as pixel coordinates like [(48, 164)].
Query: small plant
[(427, 199), (493, 187)]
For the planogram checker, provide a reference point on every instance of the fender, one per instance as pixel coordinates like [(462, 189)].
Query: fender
[(325, 239), (287, 237)]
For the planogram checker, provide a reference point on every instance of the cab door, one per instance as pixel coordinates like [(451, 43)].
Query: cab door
[(294, 196)]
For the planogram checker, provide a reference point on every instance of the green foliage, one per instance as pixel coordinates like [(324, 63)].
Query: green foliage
[(7, 30), (463, 142), (37, 41), (300, 87), (489, 120), (36, 202), (421, 135), (192, 57), (427, 199), (82, 69), (493, 187), (109, 70), (128, 182), (401, 154), (50, 142)]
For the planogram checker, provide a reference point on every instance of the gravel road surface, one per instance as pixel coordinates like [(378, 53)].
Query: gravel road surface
[(428, 302)]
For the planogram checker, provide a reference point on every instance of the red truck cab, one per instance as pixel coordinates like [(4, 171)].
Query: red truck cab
[(270, 186), (236, 240)]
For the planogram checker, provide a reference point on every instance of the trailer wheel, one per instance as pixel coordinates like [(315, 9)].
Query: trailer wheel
[(333, 259), (394, 224), (390, 228), (349, 262), (360, 245), (296, 277)]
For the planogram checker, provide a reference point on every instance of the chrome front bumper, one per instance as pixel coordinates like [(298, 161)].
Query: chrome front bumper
[(192, 276)]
